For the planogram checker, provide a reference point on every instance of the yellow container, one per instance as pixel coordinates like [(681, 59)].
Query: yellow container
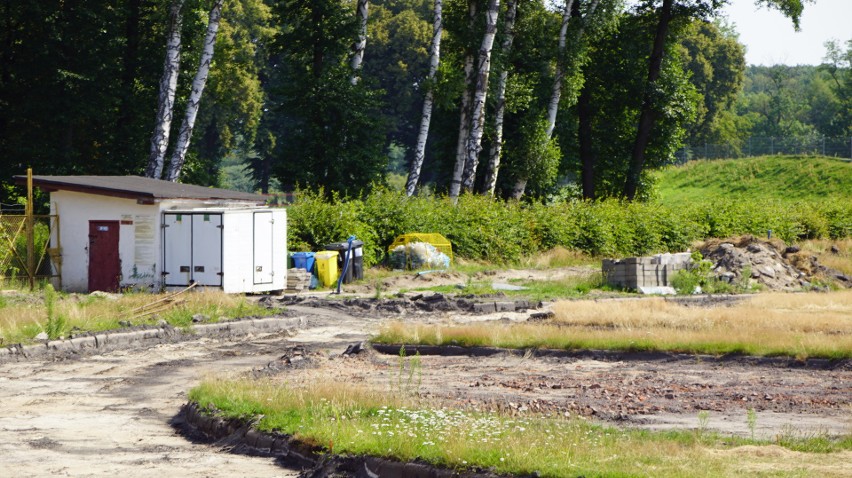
[(327, 267)]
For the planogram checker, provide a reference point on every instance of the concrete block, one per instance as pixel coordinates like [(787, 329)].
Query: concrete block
[(505, 306), (82, 343), (522, 305), (60, 345), (484, 308)]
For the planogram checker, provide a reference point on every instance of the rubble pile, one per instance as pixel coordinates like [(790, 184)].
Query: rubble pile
[(768, 262), (415, 303)]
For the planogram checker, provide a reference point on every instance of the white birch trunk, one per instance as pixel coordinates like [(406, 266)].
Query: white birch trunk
[(359, 46), (497, 145), (166, 99), (474, 144), (464, 118), (555, 91), (559, 76), (426, 118), (198, 83)]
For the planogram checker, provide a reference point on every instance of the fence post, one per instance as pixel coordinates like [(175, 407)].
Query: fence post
[(30, 230)]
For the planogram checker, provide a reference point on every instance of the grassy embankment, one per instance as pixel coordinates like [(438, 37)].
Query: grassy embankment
[(23, 315), (346, 418), (793, 325), (785, 178)]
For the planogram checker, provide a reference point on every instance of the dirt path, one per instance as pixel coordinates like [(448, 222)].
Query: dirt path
[(108, 415)]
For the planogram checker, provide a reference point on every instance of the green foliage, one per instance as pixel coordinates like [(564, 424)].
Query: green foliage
[(56, 322), (697, 275), (483, 228)]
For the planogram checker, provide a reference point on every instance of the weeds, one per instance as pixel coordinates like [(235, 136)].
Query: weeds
[(56, 322), (751, 421), (409, 373), (348, 419), (703, 420), (24, 315)]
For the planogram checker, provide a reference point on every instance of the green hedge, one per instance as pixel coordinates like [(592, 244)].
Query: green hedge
[(500, 231)]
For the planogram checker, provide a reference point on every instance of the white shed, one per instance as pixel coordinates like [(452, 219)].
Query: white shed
[(119, 232)]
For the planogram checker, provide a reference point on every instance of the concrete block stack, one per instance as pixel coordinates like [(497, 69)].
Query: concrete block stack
[(640, 273), (298, 280)]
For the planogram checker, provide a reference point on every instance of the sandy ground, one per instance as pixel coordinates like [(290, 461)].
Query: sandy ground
[(108, 415)]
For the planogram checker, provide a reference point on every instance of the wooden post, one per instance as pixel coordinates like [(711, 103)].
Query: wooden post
[(30, 230)]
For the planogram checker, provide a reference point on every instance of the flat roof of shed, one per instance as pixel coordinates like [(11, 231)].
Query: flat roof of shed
[(145, 190)]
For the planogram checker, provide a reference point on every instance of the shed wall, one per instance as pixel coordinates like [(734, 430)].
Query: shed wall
[(140, 237)]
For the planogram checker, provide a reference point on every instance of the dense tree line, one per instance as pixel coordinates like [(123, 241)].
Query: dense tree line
[(511, 98)]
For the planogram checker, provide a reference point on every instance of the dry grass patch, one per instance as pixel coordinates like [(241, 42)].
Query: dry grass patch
[(795, 325), (822, 249), (24, 315)]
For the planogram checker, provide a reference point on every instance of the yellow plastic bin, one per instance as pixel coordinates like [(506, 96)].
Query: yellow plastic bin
[(327, 267)]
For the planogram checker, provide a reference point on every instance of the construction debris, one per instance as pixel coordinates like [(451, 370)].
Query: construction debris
[(298, 280)]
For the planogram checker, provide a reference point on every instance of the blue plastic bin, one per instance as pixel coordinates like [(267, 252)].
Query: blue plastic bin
[(303, 260)]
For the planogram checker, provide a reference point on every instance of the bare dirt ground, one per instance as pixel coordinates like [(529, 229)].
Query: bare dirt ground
[(108, 415)]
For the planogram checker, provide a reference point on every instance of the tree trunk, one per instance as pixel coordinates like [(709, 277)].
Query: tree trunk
[(426, 118), (166, 100), (474, 144), (584, 138), (497, 145), (359, 46), (648, 115), (559, 75), (555, 91), (179, 155), (572, 9), (464, 114)]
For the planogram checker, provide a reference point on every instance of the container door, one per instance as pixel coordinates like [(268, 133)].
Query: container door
[(177, 249), (263, 247), (207, 249), (104, 262)]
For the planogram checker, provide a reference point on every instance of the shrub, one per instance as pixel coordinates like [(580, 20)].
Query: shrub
[(483, 228)]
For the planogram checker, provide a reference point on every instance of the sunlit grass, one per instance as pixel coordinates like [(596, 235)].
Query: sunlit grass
[(347, 418), (794, 325), (24, 315)]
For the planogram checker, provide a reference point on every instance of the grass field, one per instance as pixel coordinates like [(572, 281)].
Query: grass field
[(23, 315), (792, 325), (350, 419), (758, 178)]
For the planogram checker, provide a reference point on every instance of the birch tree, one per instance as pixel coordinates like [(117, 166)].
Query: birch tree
[(571, 10), (166, 99), (464, 115), (179, 155), (474, 145), (361, 44), (426, 118), (500, 110)]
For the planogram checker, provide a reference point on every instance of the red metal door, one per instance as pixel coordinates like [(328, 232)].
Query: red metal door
[(104, 264)]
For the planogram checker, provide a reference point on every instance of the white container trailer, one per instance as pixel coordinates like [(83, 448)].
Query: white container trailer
[(237, 250)]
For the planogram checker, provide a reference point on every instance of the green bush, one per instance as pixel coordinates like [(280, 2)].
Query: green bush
[(483, 228)]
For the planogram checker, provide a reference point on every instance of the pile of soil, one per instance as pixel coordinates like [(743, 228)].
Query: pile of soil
[(768, 262)]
